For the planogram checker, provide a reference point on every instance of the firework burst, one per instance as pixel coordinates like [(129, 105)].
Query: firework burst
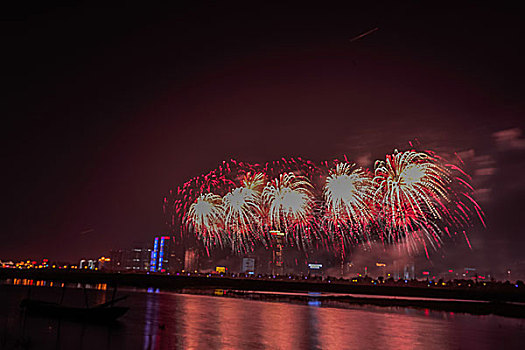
[(242, 213), (225, 178), (412, 193), (290, 205), (412, 199), (348, 195), (205, 218)]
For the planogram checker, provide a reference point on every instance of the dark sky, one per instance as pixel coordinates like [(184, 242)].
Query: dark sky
[(107, 108)]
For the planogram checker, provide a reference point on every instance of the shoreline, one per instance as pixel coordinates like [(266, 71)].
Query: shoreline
[(508, 302), (479, 308)]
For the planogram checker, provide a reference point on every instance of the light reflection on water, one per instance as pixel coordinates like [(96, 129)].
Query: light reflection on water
[(161, 320)]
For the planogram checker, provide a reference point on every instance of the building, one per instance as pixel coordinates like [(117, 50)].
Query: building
[(409, 271), (403, 270), (116, 262), (315, 269), (277, 261), (104, 263), (191, 260), (166, 255), (7, 264), (248, 266), (90, 264), (137, 258)]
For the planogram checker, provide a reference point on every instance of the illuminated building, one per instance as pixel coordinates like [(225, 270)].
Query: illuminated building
[(248, 265), (409, 272), (104, 263), (87, 264), (277, 261), (165, 255), (315, 269), (403, 270), (138, 258), (471, 272), (191, 260), (7, 264)]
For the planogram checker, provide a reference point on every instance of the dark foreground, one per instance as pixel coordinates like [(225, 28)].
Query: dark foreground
[(167, 320), (479, 299)]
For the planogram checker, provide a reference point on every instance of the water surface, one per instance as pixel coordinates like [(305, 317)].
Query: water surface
[(166, 320)]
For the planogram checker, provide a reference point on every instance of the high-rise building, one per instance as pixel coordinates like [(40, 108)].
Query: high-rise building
[(409, 271), (166, 255), (137, 258), (191, 260), (277, 261), (403, 269)]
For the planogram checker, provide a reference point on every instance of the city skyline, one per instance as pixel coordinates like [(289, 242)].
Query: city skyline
[(245, 175), (93, 152)]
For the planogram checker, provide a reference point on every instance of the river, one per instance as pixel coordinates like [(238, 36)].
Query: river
[(168, 320)]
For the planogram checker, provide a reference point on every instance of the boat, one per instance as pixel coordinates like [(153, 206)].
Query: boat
[(101, 313)]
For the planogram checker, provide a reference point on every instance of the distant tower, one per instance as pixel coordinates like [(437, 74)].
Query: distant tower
[(277, 263), (160, 254), (191, 260), (409, 271), (395, 271), (166, 255)]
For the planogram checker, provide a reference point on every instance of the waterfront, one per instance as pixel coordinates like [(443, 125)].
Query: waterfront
[(167, 320)]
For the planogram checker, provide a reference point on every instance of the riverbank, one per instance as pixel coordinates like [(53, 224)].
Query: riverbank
[(473, 307), (482, 292)]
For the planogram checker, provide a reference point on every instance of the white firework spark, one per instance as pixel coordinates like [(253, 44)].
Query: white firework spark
[(348, 194), (242, 213), (205, 217), (289, 201), (412, 192)]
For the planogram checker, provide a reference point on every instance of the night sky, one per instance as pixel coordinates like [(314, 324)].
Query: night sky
[(107, 108)]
